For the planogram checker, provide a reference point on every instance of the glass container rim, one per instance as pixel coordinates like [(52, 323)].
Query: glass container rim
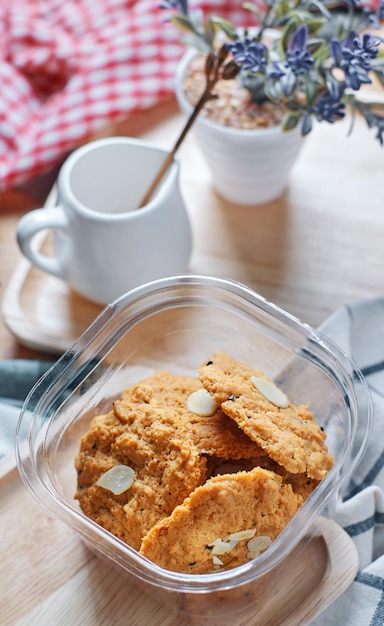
[(26, 459)]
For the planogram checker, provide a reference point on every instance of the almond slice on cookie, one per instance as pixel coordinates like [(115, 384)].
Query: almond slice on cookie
[(288, 433), (220, 509)]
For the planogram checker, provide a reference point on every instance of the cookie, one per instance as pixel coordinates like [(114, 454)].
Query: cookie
[(166, 464), (162, 388), (214, 435), (287, 433), (301, 483), (200, 462), (192, 538)]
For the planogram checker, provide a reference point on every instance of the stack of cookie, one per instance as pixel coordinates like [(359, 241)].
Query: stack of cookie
[(200, 474)]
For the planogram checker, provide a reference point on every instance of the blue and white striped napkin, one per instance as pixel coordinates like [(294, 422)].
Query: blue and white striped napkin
[(17, 377), (359, 330)]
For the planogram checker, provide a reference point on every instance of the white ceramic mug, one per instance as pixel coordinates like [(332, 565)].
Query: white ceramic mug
[(104, 245)]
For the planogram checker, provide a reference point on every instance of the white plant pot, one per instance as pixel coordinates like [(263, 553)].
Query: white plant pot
[(247, 166)]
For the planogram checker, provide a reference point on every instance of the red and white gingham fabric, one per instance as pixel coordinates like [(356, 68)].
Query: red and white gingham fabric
[(69, 66)]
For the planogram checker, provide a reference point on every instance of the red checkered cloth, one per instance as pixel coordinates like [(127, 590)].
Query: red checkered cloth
[(67, 67)]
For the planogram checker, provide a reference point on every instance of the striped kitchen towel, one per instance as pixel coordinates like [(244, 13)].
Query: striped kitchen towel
[(359, 330)]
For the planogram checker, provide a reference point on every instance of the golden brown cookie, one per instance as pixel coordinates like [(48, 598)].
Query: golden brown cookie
[(286, 432), (218, 435), (301, 483), (214, 435), (166, 463), (192, 538), (200, 470), (164, 388)]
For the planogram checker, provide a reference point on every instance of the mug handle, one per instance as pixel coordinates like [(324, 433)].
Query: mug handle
[(29, 225)]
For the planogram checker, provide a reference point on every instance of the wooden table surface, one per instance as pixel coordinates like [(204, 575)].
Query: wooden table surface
[(318, 247)]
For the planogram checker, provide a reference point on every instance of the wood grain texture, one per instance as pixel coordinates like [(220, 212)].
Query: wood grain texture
[(314, 249), (49, 577)]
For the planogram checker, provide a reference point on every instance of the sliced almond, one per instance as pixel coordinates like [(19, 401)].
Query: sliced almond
[(217, 561), (117, 479), (242, 535), (221, 547), (269, 390), (231, 544), (257, 544), (252, 555), (201, 403)]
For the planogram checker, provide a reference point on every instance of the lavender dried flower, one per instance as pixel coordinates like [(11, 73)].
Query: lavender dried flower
[(309, 58)]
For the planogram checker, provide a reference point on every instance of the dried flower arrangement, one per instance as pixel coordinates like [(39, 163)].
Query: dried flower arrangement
[(304, 56), (309, 58)]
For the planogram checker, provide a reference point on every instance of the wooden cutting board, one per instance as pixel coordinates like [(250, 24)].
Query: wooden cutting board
[(49, 578)]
